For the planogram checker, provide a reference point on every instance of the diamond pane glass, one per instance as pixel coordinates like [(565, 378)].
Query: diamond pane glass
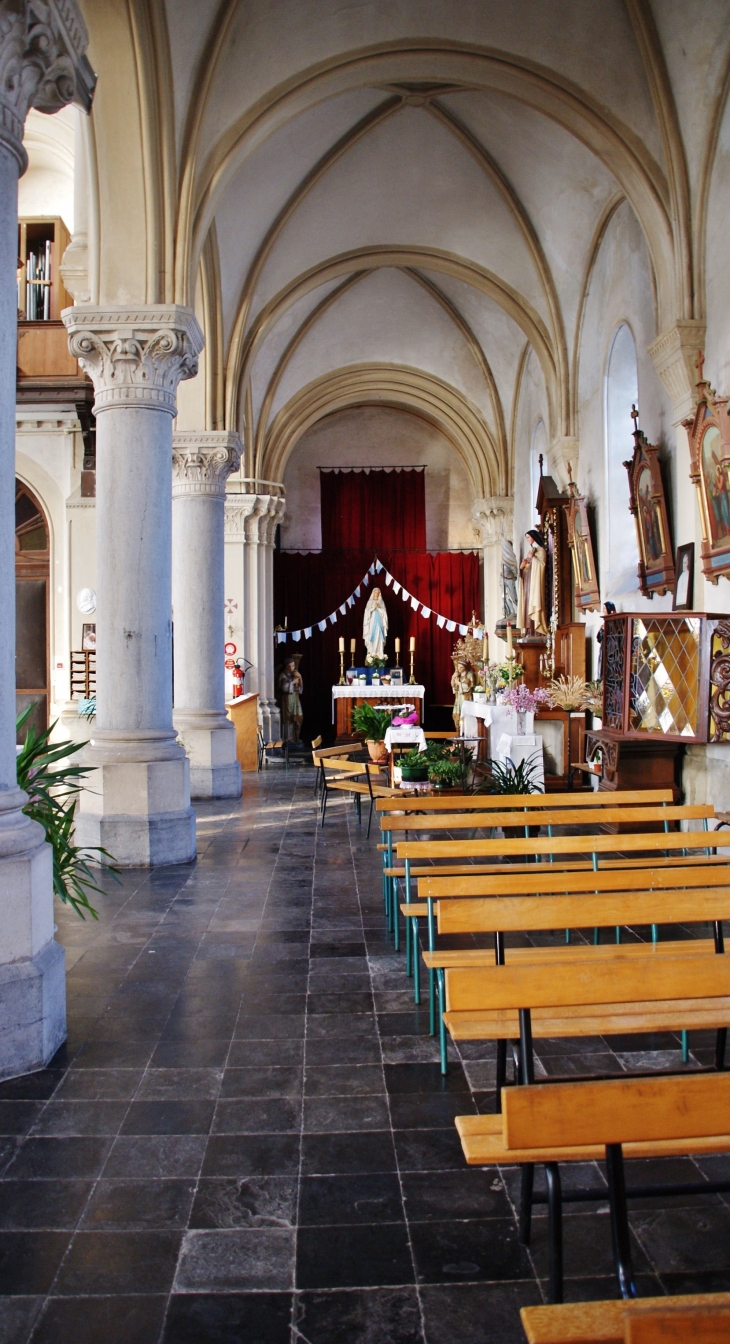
[(665, 659)]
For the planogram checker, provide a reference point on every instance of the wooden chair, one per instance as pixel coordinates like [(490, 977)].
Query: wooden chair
[(693, 1318), (585, 1121), (321, 754), (355, 778)]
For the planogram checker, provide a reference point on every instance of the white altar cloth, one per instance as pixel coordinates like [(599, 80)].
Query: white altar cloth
[(405, 736), (401, 695)]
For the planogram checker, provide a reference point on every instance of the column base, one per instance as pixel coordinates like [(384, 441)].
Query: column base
[(32, 1011), (209, 739), (137, 809), (270, 716)]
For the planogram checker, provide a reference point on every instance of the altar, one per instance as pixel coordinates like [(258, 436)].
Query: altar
[(345, 697)]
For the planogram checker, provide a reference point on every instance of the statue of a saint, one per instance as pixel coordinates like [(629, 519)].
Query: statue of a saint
[(534, 596), (462, 684), (290, 687), (375, 625), (509, 573)]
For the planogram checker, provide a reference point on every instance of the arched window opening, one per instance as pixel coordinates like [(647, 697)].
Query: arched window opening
[(622, 391), (32, 571)]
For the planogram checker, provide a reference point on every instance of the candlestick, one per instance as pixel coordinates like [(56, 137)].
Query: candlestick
[(485, 649), (342, 681), (412, 644), (342, 644), (353, 646), (397, 651), (509, 641), (412, 679)]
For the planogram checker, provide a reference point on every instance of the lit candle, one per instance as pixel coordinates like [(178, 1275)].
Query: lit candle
[(342, 644), (509, 641), (412, 644), (353, 645), (397, 644), (485, 648)]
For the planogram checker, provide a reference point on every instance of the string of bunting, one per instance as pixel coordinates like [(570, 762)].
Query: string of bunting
[(378, 568)]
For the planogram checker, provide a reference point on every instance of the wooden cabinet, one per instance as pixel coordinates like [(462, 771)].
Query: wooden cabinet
[(243, 714)]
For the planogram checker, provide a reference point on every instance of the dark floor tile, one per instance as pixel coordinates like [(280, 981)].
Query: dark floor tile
[(252, 1155), (262, 1081), (353, 1153), (401, 1079), (103, 1054), (236, 1260), (252, 1054), (474, 1313), (696, 1281), (62, 1158), (254, 1201), (425, 1111), (100, 1263), (343, 1050), (98, 1085), (267, 1115), (228, 1318), (361, 1316), (340, 1003), (169, 1117), (147, 1204), (88, 1320), (51, 1205), (64, 1118), (344, 1080), (358, 1257), (437, 1195), (429, 1150), (156, 1155), (685, 1240), (321, 950), (323, 1026), (191, 1054), (29, 1261), (268, 1026), (453, 1252), (17, 1315), (327, 1115), (325, 1200), (17, 1117), (38, 1086)]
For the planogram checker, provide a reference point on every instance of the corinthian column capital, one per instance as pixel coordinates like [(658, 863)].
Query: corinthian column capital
[(253, 518), (41, 45), (202, 461), (135, 357)]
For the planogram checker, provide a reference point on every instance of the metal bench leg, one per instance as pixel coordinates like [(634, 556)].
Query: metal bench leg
[(620, 1235), (501, 1073), (443, 1042), (370, 818), (555, 1231), (416, 953), (527, 1181), (720, 1045)]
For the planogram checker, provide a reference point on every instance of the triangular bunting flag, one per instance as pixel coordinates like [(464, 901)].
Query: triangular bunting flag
[(357, 591), (415, 603), (378, 566), (425, 611), (366, 579), (296, 634), (372, 568), (333, 618), (396, 587), (280, 638), (451, 626), (463, 629), (441, 622), (308, 632), (350, 601), (343, 609), (405, 594), (388, 579), (322, 624)]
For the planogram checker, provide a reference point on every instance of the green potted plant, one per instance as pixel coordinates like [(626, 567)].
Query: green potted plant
[(414, 766), (374, 723), (509, 778)]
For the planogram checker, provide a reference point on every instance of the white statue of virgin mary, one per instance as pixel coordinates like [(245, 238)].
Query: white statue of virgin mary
[(375, 625)]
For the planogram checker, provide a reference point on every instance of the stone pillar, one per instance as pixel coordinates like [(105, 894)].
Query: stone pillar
[(137, 804), (202, 462), (251, 521), (40, 49), (493, 519)]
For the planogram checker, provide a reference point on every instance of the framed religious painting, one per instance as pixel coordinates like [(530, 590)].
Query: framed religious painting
[(647, 502), (708, 432), (585, 574), (685, 580)]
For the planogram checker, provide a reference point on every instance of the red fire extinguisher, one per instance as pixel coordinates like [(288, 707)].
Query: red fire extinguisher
[(237, 680)]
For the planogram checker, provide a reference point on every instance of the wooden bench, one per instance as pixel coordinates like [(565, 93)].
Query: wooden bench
[(474, 1005), (584, 1121), (321, 754), (692, 1317)]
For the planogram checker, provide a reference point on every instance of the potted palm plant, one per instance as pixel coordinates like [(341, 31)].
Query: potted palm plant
[(374, 723)]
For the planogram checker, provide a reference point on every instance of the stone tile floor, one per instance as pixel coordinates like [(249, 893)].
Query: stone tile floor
[(247, 1137)]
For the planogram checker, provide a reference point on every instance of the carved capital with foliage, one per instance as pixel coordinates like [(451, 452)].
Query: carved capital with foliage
[(492, 518), (135, 357), (202, 461), (41, 45)]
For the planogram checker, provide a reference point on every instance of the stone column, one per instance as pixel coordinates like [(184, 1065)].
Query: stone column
[(251, 521), (137, 804), (40, 49), (492, 518), (202, 462)]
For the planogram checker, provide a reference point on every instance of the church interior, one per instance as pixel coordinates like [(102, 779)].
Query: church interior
[(364, 671)]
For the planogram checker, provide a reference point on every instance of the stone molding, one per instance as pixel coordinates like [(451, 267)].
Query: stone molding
[(563, 451), (135, 357), (253, 518), (41, 43), (203, 460), (673, 354), (492, 519)]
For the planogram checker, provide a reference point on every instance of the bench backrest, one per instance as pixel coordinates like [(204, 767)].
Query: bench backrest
[(560, 844), (525, 801), (523, 914), (590, 981), (548, 879), (678, 1325), (463, 821), (621, 1110)]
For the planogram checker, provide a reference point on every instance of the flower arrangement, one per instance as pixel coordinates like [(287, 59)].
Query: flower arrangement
[(524, 701), (574, 693), (375, 660)]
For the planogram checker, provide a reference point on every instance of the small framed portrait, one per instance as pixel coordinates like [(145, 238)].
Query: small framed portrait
[(396, 676), (88, 638), (685, 580)]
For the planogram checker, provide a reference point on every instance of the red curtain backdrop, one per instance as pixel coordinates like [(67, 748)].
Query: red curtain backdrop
[(307, 587), (374, 509)]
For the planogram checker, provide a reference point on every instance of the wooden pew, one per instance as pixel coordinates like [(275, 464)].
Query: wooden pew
[(584, 1121), (683, 1318), (354, 777)]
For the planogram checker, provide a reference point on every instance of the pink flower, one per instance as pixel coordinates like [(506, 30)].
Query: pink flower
[(524, 701)]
